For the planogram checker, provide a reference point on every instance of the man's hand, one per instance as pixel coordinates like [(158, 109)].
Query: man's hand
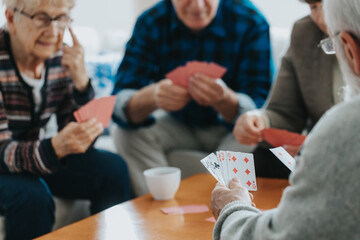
[(206, 91), (73, 59), (169, 96), (248, 128), (221, 196), (76, 137)]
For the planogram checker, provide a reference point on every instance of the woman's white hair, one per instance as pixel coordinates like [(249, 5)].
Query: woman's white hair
[(340, 16), (31, 4)]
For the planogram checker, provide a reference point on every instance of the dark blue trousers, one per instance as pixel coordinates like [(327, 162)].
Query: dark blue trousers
[(26, 200)]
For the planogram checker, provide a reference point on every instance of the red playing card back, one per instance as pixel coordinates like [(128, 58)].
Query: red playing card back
[(280, 137)]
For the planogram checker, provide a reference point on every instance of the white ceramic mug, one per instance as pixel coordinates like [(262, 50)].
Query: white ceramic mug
[(163, 182)]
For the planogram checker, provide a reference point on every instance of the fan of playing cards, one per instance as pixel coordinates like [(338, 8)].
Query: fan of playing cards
[(226, 165), (180, 75), (101, 109)]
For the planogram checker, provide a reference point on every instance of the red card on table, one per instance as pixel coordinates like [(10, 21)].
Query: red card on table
[(185, 209), (101, 109), (211, 219), (280, 137)]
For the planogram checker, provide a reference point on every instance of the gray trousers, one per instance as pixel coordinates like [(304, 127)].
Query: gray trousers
[(170, 143)]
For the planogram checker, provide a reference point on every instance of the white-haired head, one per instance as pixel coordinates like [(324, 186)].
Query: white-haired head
[(31, 4), (344, 16)]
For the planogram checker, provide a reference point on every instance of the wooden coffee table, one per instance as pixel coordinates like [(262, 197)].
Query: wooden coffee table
[(141, 218)]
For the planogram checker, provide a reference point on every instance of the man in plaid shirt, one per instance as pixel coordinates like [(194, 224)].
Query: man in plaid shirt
[(231, 33)]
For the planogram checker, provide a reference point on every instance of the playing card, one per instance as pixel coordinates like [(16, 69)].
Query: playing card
[(217, 71), (221, 155), (104, 109), (226, 165), (212, 165), (284, 157), (101, 109), (280, 137), (180, 75), (241, 166), (210, 219)]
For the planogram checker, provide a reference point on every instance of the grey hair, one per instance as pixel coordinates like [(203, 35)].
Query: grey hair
[(344, 15), (21, 4)]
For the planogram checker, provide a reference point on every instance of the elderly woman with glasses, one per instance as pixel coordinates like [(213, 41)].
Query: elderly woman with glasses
[(308, 84), (39, 77)]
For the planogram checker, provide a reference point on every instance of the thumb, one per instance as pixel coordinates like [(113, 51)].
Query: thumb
[(235, 182), (259, 122)]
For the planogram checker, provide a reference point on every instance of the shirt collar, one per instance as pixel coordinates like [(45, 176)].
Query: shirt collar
[(216, 27)]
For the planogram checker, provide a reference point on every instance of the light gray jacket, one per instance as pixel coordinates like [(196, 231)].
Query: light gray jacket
[(323, 200), (304, 86)]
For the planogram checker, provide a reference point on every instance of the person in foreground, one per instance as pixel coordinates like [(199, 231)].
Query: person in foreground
[(154, 117), (39, 76), (308, 84), (323, 199)]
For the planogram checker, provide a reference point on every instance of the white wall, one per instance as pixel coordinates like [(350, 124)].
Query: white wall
[(121, 14), (282, 13)]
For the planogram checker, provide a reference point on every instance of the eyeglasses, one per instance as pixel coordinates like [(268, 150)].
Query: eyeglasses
[(327, 44), (41, 20)]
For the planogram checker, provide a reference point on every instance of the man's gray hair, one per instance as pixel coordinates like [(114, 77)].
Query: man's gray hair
[(21, 4), (340, 16)]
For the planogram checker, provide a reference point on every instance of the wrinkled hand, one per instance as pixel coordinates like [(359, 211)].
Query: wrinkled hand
[(221, 196), (206, 91), (291, 149), (169, 96), (73, 59), (248, 128), (76, 137)]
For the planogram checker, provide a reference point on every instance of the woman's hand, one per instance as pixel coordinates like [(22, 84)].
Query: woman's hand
[(73, 59), (76, 137)]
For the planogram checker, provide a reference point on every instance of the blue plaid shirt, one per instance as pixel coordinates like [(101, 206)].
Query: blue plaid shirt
[(237, 38)]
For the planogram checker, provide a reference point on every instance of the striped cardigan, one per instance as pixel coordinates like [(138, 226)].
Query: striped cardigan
[(21, 145)]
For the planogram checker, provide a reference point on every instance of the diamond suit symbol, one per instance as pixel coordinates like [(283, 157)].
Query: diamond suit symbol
[(247, 171), (246, 160), (235, 170)]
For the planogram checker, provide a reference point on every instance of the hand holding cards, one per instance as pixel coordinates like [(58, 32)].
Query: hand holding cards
[(101, 109), (180, 75), (226, 165)]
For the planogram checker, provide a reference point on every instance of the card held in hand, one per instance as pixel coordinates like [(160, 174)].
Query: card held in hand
[(226, 165), (284, 157), (101, 109)]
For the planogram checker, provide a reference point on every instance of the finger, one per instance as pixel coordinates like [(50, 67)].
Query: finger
[(251, 196), (89, 134), (252, 126), (89, 123), (66, 62), (259, 123), (245, 138), (76, 42), (203, 77), (235, 182), (199, 97)]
